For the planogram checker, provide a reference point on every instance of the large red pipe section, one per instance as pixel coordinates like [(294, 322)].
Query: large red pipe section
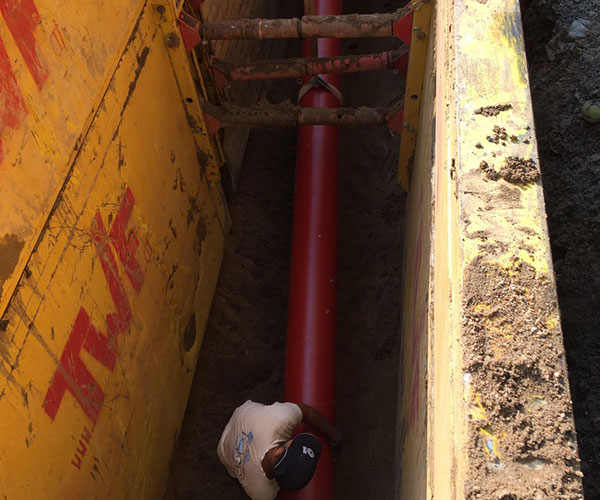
[(311, 328)]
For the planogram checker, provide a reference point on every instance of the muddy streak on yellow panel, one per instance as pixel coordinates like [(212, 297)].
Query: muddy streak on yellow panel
[(131, 251)]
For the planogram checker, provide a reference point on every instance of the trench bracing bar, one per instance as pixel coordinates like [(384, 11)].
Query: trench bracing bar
[(410, 24)]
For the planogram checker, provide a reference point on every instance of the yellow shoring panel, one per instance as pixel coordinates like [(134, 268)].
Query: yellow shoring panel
[(116, 295), (209, 147), (56, 59), (479, 63), (500, 222), (412, 432), (446, 422), (497, 74)]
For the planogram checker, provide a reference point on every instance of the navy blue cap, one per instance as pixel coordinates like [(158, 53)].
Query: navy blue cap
[(297, 465)]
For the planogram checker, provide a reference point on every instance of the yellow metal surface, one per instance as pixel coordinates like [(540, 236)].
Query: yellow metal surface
[(99, 340), (414, 88), (56, 58), (455, 216), (497, 74), (500, 222), (446, 418), (412, 422)]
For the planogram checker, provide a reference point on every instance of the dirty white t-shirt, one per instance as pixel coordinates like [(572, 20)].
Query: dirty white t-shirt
[(252, 430)]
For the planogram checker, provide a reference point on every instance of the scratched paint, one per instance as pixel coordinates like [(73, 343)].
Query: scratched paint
[(512, 29), (21, 18), (12, 105), (104, 323), (47, 98), (72, 374), (56, 59)]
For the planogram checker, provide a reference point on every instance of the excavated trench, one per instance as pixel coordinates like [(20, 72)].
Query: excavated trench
[(243, 351), (242, 356)]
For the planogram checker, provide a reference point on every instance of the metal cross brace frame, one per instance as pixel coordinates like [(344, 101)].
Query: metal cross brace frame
[(269, 115), (397, 24)]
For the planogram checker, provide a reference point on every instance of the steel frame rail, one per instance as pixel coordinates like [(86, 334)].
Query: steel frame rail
[(332, 26), (225, 72), (227, 115)]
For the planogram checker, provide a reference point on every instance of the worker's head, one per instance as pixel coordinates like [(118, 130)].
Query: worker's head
[(297, 463)]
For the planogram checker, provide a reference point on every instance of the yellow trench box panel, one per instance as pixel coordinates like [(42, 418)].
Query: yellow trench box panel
[(111, 233)]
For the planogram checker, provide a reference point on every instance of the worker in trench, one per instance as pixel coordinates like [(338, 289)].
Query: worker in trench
[(257, 447)]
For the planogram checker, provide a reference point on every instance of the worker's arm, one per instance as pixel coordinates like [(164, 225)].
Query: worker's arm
[(316, 419)]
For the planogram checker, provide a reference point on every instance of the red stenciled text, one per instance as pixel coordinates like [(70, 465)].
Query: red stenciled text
[(81, 450), (72, 375)]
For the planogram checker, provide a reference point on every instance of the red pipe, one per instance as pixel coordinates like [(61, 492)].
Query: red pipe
[(311, 328)]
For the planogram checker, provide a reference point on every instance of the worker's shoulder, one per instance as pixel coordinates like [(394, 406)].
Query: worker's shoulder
[(284, 404), (251, 404), (277, 404), (277, 408), (285, 409)]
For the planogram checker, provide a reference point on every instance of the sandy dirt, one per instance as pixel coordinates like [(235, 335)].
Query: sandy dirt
[(513, 357)]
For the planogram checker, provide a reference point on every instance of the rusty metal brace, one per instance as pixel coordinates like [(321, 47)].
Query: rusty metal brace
[(398, 24), (230, 116), (224, 72)]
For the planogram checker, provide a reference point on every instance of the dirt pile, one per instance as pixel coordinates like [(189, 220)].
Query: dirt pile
[(519, 170), (513, 357)]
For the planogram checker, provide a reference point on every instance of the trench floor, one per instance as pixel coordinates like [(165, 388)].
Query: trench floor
[(242, 356)]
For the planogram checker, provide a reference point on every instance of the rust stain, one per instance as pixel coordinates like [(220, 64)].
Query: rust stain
[(141, 62), (189, 334), (172, 228), (121, 158), (10, 249), (193, 210), (203, 161), (201, 233)]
